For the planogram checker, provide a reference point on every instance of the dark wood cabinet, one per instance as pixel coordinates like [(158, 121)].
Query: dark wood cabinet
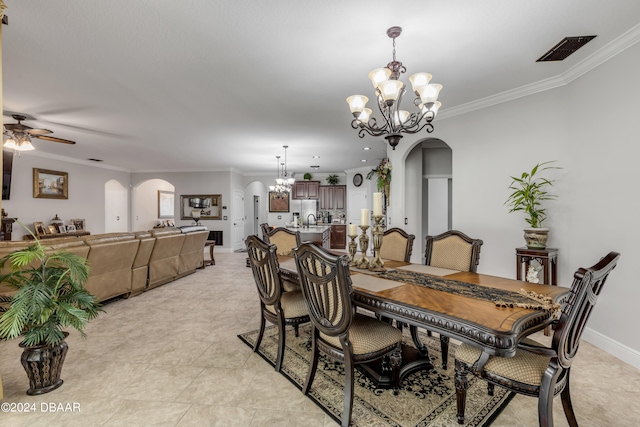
[(338, 236), (333, 197), (303, 190)]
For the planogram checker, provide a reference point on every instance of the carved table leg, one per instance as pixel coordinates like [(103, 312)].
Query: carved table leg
[(462, 384)]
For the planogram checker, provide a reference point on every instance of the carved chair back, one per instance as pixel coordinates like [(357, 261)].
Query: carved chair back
[(397, 245), (326, 286), (264, 264), (284, 239), (453, 250)]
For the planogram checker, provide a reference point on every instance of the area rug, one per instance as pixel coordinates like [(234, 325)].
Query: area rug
[(426, 398)]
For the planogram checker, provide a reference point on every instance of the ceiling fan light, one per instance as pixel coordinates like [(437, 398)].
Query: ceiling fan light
[(379, 75), (429, 93), (390, 89), (357, 103), (10, 143), (24, 145), (418, 81)]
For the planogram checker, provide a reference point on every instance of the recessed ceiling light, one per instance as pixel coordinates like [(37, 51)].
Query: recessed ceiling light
[(364, 160), (316, 157), (366, 148)]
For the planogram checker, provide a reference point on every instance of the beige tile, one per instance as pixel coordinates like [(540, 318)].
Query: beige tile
[(147, 413), (217, 416)]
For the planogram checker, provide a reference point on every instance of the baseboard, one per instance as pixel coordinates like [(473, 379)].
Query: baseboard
[(613, 347)]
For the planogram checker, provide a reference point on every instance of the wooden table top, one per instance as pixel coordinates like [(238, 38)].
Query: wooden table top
[(476, 321)]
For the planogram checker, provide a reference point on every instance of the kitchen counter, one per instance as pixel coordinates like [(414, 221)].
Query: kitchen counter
[(318, 234)]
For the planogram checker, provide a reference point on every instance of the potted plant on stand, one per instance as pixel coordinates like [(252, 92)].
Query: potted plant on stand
[(50, 296), (529, 190)]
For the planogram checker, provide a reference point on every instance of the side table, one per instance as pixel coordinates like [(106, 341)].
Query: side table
[(548, 260), (211, 261)]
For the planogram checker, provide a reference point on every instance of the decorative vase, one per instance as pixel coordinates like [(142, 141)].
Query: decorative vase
[(43, 364), (536, 238)]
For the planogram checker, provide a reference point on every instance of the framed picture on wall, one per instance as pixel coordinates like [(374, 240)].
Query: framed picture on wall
[(48, 184), (209, 206), (278, 203), (165, 204)]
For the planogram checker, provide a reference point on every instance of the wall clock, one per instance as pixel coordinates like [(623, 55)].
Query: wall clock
[(357, 180)]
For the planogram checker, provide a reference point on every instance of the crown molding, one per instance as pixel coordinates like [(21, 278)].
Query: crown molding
[(604, 54)]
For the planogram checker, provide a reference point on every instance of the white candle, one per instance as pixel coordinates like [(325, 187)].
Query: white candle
[(364, 216), (353, 231), (377, 204)]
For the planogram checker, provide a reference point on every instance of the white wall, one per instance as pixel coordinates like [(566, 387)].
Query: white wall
[(86, 193), (591, 131)]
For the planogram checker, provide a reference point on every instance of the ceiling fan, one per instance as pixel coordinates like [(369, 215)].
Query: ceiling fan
[(20, 135)]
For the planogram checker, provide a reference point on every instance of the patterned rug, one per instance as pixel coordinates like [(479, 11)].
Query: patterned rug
[(426, 398)]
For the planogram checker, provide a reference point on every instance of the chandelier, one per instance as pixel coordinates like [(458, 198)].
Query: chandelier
[(389, 92), (284, 181)]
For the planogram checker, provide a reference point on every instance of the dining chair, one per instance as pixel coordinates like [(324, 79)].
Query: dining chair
[(536, 370), (265, 228), (397, 245), (337, 330), (278, 307), (285, 240), (452, 250)]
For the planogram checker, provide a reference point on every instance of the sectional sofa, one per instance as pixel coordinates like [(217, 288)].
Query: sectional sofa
[(127, 264)]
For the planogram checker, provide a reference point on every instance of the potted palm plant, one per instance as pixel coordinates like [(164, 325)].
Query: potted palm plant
[(50, 295), (529, 190)]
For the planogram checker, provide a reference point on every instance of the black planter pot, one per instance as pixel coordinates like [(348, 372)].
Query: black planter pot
[(43, 364)]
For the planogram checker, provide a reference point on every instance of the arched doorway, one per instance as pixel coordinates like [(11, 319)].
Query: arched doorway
[(428, 189), (145, 203)]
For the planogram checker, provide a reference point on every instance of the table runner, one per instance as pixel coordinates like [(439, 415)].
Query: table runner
[(500, 297)]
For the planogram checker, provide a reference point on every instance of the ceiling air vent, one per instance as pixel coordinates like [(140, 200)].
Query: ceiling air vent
[(95, 160), (566, 47)]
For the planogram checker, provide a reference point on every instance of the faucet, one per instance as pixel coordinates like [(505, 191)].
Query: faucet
[(315, 220)]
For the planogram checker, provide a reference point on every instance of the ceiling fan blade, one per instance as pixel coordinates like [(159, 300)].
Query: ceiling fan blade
[(34, 132), (53, 139)]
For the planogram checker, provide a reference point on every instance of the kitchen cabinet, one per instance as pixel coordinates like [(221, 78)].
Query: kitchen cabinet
[(338, 236), (333, 197), (304, 190)]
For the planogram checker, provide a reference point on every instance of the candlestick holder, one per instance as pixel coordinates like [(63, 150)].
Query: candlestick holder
[(377, 232), (353, 249), (364, 245)]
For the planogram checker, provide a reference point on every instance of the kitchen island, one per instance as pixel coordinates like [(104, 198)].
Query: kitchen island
[(318, 234)]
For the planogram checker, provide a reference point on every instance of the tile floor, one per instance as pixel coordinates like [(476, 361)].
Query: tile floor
[(170, 357)]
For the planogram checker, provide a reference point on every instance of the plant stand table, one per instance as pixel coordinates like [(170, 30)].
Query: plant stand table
[(548, 260)]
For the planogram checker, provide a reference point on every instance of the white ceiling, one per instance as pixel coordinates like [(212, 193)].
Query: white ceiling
[(194, 85)]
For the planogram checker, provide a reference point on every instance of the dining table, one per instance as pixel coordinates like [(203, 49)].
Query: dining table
[(490, 312)]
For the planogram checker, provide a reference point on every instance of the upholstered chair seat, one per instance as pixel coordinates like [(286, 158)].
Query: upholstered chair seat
[(367, 335), (292, 304)]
